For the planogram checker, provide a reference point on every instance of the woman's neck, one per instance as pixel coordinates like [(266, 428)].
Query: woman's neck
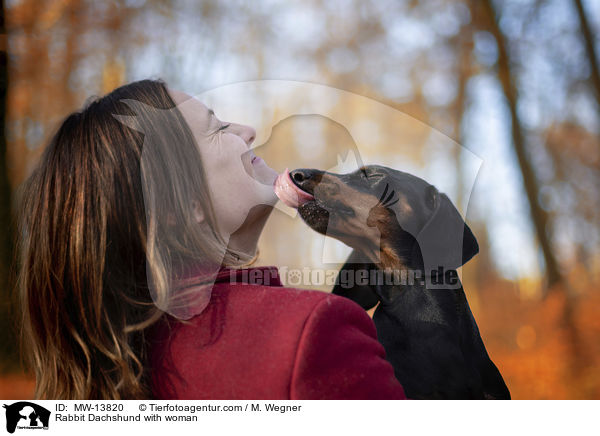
[(245, 239)]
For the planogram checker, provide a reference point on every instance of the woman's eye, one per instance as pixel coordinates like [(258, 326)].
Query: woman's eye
[(223, 127)]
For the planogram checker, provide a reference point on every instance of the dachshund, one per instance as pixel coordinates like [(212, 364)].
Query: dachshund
[(414, 238)]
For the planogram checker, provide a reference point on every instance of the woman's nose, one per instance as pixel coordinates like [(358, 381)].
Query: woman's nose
[(247, 133)]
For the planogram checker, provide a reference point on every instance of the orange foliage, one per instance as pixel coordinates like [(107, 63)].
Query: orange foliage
[(532, 345), (16, 387)]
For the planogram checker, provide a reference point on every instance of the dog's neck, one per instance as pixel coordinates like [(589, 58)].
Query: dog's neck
[(395, 248), (398, 251)]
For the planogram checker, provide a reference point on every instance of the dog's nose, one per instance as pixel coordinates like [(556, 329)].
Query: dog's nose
[(305, 178)]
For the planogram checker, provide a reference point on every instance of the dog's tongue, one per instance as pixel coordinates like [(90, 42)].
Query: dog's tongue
[(288, 192)]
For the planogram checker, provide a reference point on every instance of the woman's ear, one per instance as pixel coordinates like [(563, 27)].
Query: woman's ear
[(197, 211)]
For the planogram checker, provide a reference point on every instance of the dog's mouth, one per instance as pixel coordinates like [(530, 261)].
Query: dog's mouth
[(289, 192), (317, 201), (325, 211), (315, 215), (311, 210)]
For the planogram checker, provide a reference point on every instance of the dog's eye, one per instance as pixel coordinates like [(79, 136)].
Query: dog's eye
[(369, 174), (431, 195), (376, 176), (363, 175)]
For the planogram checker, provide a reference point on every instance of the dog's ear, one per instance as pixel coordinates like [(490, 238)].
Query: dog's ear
[(446, 241)]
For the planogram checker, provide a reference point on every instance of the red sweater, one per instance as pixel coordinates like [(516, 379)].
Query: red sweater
[(266, 342)]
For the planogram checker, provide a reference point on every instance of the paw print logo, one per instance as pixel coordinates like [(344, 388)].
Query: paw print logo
[(294, 277)]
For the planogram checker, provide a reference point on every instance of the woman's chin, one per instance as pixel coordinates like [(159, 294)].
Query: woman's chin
[(265, 194), (269, 196), (262, 177), (264, 174)]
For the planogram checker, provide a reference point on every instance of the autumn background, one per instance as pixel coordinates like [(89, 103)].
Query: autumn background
[(513, 86)]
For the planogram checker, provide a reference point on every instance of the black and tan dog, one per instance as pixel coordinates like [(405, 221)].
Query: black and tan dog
[(399, 223)]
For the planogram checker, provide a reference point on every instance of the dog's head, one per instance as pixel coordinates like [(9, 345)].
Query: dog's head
[(378, 205)]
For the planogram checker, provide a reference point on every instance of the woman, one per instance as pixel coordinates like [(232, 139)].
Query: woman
[(135, 229)]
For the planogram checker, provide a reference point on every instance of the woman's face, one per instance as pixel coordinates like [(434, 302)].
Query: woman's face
[(238, 179)]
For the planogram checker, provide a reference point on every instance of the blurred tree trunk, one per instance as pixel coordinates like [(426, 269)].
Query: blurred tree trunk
[(8, 347), (538, 215), (464, 70), (588, 38), (463, 43), (577, 355)]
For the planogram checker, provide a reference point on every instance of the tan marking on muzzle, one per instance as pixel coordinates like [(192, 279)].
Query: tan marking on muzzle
[(362, 228), (405, 208)]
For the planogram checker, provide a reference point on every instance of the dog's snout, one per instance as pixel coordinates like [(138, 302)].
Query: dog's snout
[(303, 177)]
